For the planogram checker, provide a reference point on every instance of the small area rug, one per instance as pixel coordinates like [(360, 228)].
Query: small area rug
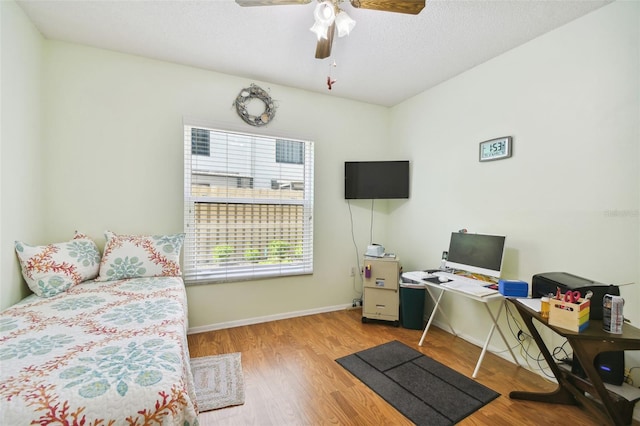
[(425, 391), (218, 380)]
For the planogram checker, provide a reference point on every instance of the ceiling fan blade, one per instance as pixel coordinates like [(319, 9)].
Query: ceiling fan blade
[(249, 3), (412, 7), (323, 48)]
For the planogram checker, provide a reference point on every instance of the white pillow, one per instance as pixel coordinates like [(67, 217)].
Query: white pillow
[(132, 256), (52, 269)]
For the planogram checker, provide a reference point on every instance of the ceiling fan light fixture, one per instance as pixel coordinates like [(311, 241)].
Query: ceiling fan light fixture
[(319, 30), (325, 13), (344, 23)]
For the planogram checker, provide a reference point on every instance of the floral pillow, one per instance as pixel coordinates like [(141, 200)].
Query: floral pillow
[(52, 269), (132, 256)]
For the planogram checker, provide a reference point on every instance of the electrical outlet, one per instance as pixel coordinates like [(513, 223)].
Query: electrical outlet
[(352, 272)]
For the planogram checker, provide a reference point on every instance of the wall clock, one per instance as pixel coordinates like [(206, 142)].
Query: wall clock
[(496, 149)]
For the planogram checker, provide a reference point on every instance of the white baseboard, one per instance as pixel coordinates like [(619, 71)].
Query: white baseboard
[(267, 318)]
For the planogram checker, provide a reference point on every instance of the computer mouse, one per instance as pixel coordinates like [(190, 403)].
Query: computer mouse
[(443, 279)]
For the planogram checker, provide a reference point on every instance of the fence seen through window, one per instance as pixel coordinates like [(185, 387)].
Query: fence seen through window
[(248, 206)]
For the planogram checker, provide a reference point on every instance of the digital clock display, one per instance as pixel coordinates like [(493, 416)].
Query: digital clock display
[(495, 149)]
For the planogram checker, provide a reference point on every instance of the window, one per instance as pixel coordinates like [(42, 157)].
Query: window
[(247, 215), (289, 152), (199, 141)]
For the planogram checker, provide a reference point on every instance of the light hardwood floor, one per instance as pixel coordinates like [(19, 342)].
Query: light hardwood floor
[(291, 377)]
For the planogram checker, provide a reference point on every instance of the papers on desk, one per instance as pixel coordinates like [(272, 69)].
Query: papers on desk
[(474, 289), (417, 275), (465, 285), (533, 304)]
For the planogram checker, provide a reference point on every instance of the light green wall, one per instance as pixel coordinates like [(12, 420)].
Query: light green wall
[(111, 146), (568, 198), (22, 205), (114, 149)]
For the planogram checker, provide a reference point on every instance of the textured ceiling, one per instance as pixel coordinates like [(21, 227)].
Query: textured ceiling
[(388, 57)]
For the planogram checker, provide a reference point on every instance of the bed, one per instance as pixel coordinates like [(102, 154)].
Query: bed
[(102, 352)]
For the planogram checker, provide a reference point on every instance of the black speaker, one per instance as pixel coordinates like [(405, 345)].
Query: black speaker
[(610, 366)]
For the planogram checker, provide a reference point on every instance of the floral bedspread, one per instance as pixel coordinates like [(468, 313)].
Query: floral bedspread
[(102, 353)]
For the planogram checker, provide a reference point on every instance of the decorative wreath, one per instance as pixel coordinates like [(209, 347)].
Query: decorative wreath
[(255, 92)]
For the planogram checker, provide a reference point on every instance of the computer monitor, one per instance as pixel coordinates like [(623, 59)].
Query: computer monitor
[(476, 253)]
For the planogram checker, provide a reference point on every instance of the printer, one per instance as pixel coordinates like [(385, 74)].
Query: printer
[(547, 283), (374, 250), (609, 365)]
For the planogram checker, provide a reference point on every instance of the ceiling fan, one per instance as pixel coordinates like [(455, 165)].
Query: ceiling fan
[(329, 16)]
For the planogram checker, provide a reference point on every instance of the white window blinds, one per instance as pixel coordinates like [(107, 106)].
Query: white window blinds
[(248, 206)]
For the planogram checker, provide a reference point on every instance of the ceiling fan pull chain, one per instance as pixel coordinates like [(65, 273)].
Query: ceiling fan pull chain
[(330, 81)]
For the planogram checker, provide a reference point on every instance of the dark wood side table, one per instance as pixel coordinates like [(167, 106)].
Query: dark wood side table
[(611, 408)]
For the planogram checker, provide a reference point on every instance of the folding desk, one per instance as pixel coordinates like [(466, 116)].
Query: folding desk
[(437, 291)]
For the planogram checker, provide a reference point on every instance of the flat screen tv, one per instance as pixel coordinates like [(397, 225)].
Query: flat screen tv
[(476, 253), (376, 179)]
